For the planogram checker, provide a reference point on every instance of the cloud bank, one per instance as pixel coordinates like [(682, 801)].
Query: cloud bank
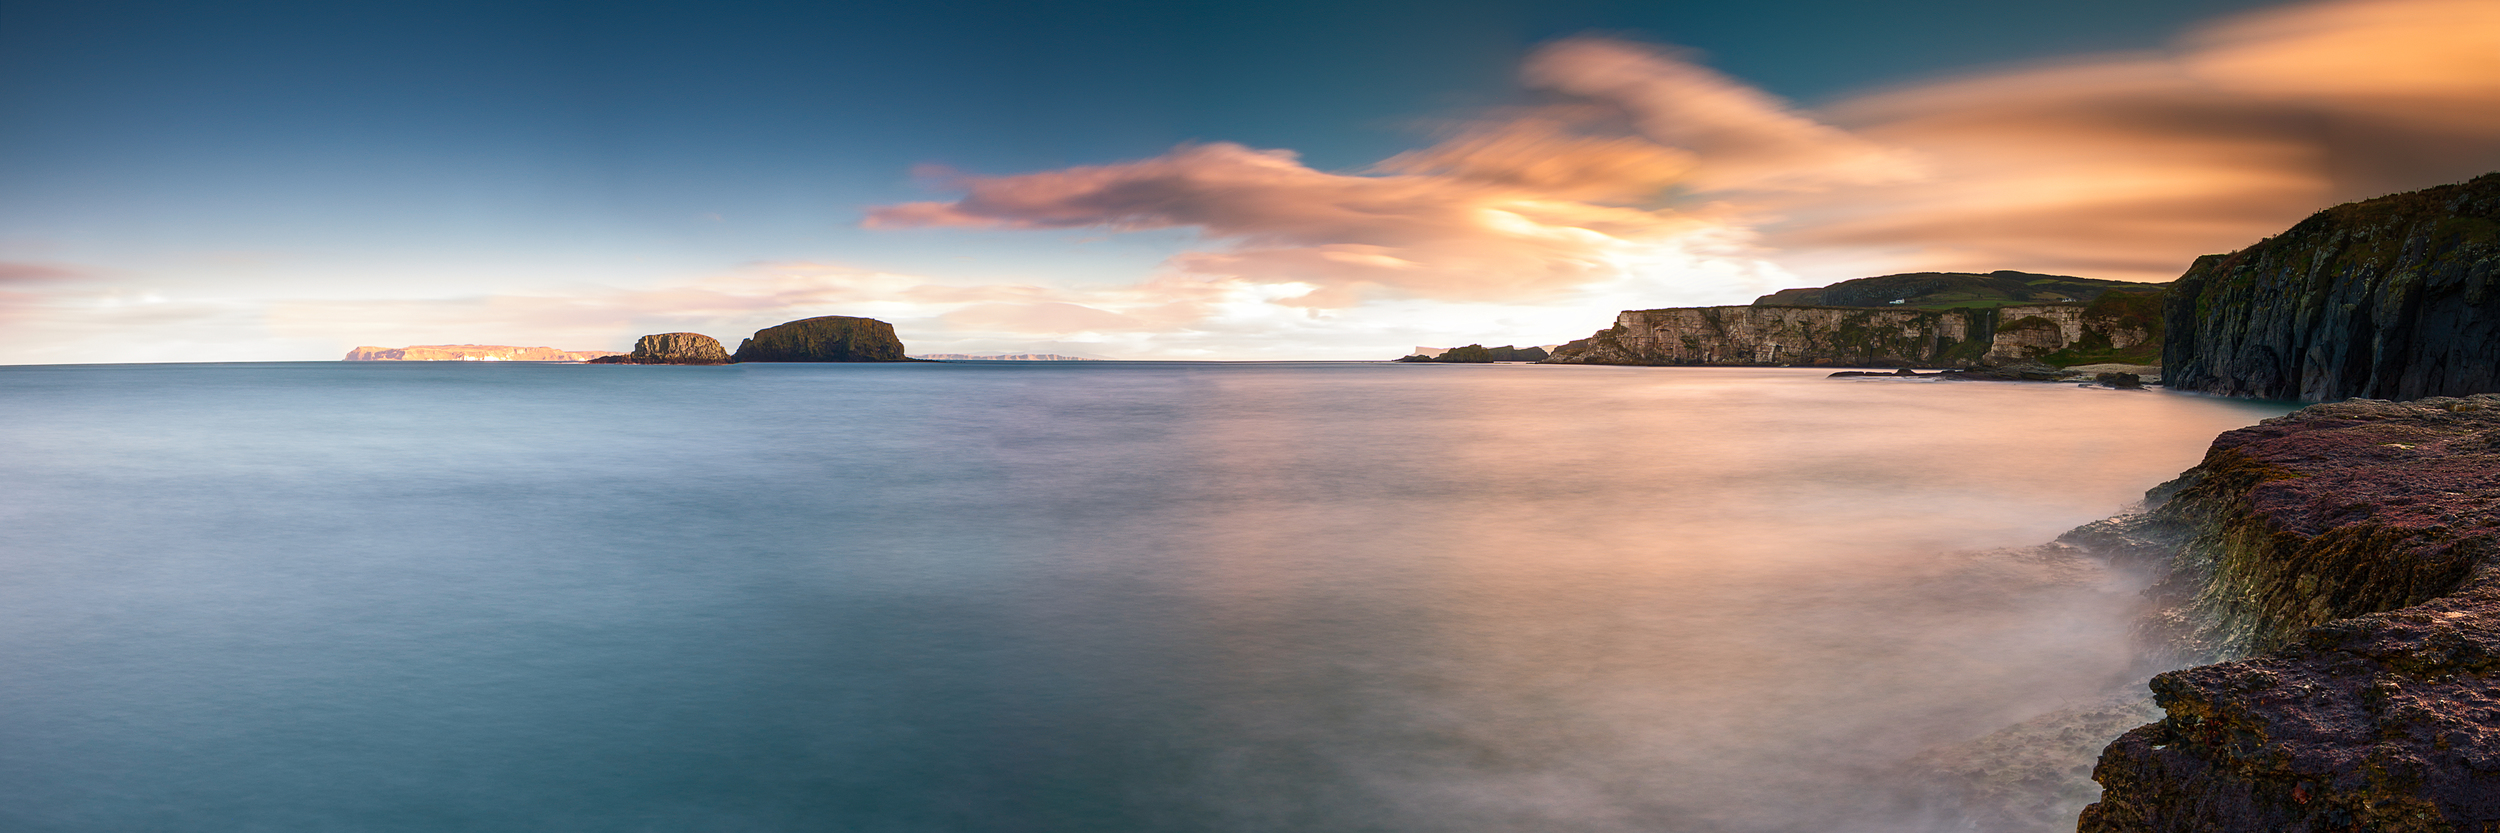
[(1645, 179), (2123, 166)]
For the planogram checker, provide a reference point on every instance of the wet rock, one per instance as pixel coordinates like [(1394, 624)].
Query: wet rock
[(2121, 381), (2347, 550)]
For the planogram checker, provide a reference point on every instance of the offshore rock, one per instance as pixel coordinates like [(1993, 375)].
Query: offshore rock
[(2349, 547), (672, 348), (831, 338), (2392, 298)]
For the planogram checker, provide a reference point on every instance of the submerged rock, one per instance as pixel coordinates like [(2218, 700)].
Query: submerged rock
[(2119, 380), (672, 348), (831, 338)]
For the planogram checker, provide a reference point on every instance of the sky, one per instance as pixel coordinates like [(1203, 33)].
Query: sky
[(284, 181)]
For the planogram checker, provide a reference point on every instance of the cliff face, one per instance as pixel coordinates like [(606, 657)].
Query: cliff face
[(832, 338), (672, 348), (471, 353), (2350, 543), (2391, 298), (1854, 337)]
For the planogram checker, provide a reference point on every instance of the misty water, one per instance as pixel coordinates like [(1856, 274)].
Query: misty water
[(1089, 597)]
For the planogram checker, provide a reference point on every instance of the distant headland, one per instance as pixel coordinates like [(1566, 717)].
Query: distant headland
[(471, 353)]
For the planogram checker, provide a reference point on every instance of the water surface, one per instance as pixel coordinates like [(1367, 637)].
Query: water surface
[(1036, 597)]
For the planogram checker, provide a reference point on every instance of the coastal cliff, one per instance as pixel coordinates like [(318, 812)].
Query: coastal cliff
[(2346, 547), (831, 338), (2392, 298), (2115, 327)]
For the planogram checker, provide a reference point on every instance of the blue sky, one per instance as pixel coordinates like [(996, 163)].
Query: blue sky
[(274, 181)]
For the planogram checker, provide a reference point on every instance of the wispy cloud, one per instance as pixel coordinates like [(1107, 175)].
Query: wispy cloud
[(2117, 166), (1649, 180), (2131, 165)]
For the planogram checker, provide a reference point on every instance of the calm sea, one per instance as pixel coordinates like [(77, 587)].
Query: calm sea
[(1093, 598)]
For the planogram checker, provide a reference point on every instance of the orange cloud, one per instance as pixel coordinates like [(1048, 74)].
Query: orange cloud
[(2131, 166), (2122, 166), (1513, 211)]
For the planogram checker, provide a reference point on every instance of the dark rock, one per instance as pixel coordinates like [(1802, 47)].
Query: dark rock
[(672, 348), (832, 338), (2121, 381), (1902, 372), (2013, 371), (2393, 298), (2349, 548)]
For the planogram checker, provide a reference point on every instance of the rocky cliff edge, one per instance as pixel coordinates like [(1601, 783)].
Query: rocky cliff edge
[(2396, 297), (2349, 546)]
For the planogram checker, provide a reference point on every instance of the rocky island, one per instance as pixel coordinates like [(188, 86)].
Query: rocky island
[(672, 348), (831, 338)]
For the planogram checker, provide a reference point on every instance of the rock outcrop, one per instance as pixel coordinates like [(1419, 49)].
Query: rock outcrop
[(672, 348), (2393, 298), (2348, 547), (471, 353), (2112, 328), (831, 338)]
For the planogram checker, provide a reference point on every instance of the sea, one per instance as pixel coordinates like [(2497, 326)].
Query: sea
[(1091, 597)]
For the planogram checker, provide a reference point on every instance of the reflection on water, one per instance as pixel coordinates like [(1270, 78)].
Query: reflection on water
[(1100, 597)]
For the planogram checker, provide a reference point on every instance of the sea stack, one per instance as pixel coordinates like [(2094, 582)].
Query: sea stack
[(831, 338), (673, 348)]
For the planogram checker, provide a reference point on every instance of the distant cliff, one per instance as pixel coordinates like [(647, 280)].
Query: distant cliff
[(1480, 354), (2390, 298), (471, 353), (2114, 327), (2350, 547), (831, 338)]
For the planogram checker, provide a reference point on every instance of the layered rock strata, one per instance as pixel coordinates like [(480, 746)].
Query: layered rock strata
[(2393, 298), (1857, 336), (2348, 548), (831, 338), (673, 348)]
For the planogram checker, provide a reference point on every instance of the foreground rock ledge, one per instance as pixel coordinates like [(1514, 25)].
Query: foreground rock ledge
[(2350, 545)]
